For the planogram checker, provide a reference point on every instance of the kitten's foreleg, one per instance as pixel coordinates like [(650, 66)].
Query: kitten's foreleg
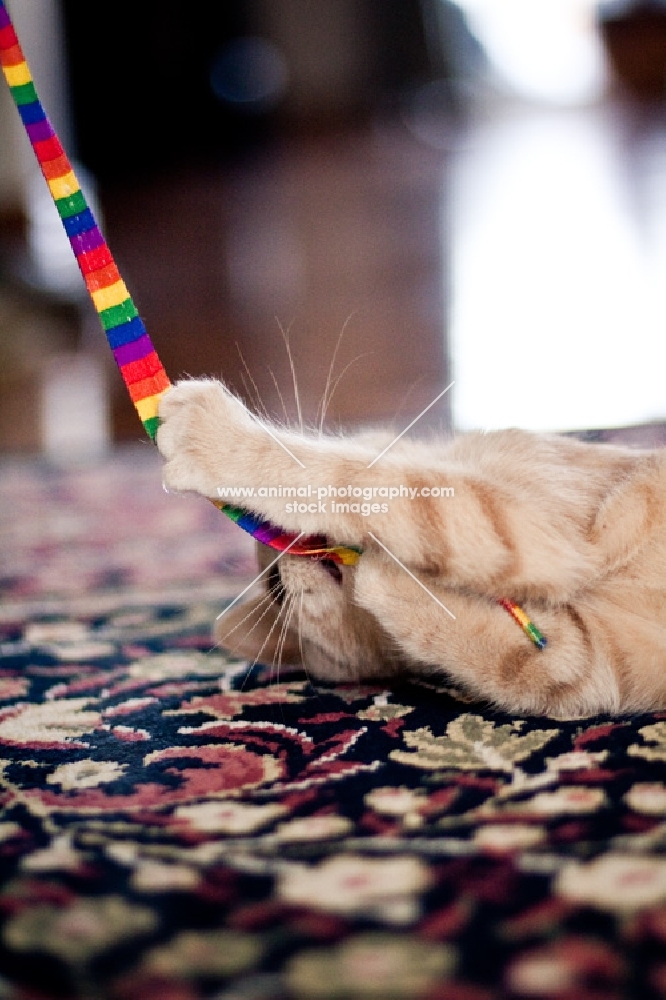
[(483, 649), (480, 536)]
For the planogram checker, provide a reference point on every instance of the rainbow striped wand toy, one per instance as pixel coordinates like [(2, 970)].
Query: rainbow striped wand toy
[(140, 367), (137, 360)]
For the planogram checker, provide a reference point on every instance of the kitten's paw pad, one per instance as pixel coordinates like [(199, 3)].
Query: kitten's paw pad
[(205, 398), (201, 408), (200, 423)]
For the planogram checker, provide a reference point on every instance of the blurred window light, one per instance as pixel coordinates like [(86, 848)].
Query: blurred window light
[(543, 50), (558, 310)]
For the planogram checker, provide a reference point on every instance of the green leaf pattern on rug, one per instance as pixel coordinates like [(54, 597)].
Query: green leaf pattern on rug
[(472, 742), (654, 734), (380, 712), (81, 930), (373, 964), (205, 952)]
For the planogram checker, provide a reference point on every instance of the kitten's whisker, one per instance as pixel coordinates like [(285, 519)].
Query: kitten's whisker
[(267, 599), (264, 643), (300, 628), (260, 402), (300, 643), (297, 398), (280, 396), (248, 674), (335, 386), (410, 425), (289, 614), (281, 643), (248, 391), (284, 615), (275, 665), (250, 668), (248, 671), (259, 575), (324, 402), (253, 663), (405, 396), (409, 573), (221, 644)]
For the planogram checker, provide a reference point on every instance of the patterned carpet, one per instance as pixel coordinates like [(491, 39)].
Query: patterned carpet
[(174, 829)]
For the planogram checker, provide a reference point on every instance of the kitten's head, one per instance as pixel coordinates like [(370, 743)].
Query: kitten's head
[(307, 615)]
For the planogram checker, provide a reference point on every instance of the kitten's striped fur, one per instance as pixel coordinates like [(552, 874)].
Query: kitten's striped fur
[(573, 532)]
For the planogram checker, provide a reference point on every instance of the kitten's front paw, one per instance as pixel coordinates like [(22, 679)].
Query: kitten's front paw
[(202, 427)]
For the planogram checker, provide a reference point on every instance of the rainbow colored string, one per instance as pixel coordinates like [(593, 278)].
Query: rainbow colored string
[(527, 625), (135, 355), (312, 545), (137, 360)]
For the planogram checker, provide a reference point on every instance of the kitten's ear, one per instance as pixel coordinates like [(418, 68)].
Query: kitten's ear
[(251, 631)]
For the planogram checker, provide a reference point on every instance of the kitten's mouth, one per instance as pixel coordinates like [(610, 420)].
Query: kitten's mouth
[(330, 565), (277, 589), (332, 569), (276, 586)]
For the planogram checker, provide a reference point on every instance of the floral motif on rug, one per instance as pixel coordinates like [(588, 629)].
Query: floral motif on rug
[(179, 825)]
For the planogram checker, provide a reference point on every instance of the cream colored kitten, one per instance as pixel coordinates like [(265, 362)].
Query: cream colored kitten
[(575, 533)]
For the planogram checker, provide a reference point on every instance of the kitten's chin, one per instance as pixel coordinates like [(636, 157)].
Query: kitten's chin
[(322, 666)]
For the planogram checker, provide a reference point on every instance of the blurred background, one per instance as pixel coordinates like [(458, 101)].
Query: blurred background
[(395, 193)]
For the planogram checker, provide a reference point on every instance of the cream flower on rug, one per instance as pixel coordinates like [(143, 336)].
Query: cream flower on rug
[(385, 888), (568, 799), (647, 797), (86, 774), (313, 828), (395, 801), (503, 838), (616, 882), (229, 817), (53, 722)]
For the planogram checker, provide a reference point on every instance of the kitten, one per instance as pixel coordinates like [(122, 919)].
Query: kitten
[(575, 533)]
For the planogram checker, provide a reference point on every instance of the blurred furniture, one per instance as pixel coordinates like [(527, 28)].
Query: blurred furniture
[(635, 40)]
